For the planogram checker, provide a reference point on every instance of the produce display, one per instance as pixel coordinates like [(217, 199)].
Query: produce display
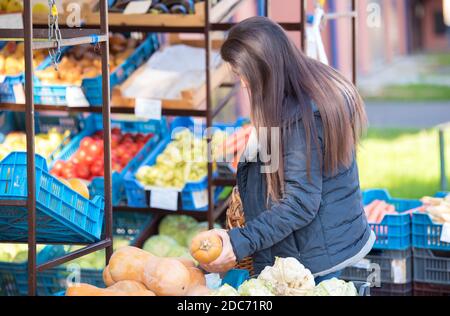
[(437, 208), (88, 160), (11, 6), (160, 276), (45, 143), (84, 61), (12, 58), (183, 160), (376, 211), (288, 277)]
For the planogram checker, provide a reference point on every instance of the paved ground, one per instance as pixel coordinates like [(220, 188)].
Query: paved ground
[(408, 115)]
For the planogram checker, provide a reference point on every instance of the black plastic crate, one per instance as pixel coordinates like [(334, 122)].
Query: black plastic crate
[(389, 289), (395, 267), (428, 289), (431, 266)]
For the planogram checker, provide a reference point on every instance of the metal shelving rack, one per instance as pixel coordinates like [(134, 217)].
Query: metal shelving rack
[(35, 39), (214, 211)]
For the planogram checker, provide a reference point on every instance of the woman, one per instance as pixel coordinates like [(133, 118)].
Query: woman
[(309, 206)]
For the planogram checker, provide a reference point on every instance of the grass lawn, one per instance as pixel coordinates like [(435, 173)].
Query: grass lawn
[(416, 92), (406, 162)]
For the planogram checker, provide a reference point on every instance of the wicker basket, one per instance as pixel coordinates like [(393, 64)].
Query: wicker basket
[(236, 219)]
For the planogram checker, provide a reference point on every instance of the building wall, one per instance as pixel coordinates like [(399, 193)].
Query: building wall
[(432, 40)]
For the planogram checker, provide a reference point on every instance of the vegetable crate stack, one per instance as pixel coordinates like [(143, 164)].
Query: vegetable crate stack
[(431, 246), (388, 267), (174, 176)]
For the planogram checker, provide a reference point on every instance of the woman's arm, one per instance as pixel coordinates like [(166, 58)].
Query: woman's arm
[(295, 210)]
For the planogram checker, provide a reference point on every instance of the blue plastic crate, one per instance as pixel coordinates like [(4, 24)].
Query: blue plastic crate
[(93, 124), (137, 196), (92, 87), (62, 215), (14, 276), (426, 234), (394, 232)]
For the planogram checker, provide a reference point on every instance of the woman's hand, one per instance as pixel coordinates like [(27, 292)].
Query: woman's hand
[(227, 259)]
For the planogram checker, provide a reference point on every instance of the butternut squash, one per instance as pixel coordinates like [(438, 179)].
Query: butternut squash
[(107, 277), (166, 277), (197, 277), (128, 286), (90, 290), (128, 263), (199, 290), (188, 263)]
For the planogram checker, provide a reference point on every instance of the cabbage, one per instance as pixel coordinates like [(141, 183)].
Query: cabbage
[(160, 245), (287, 277), (225, 290), (334, 287), (254, 287), (177, 226)]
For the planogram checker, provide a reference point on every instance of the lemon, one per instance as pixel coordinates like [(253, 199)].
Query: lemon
[(14, 6)]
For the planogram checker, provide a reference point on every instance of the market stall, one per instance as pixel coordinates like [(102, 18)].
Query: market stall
[(109, 171)]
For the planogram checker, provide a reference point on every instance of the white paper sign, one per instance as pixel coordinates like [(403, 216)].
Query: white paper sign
[(165, 199), (11, 21), (137, 7), (445, 233), (2, 78), (75, 97), (398, 270), (149, 109), (200, 199), (19, 93)]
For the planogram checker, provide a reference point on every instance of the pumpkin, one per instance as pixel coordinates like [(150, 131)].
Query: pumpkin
[(197, 277), (83, 289), (128, 286), (206, 247), (166, 277), (107, 277), (128, 263), (199, 290)]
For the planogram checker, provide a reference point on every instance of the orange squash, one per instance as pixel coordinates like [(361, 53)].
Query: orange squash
[(107, 277), (206, 247), (197, 277), (166, 277), (79, 186), (199, 290), (128, 263), (188, 263), (90, 290), (128, 286)]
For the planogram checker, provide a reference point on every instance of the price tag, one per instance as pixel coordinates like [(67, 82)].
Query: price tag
[(149, 109), (138, 7), (398, 270), (200, 199), (75, 97), (445, 233), (19, 93), (165, 199), (11, 21)]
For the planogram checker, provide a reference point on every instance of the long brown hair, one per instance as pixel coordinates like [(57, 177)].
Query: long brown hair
[(261, 53)]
